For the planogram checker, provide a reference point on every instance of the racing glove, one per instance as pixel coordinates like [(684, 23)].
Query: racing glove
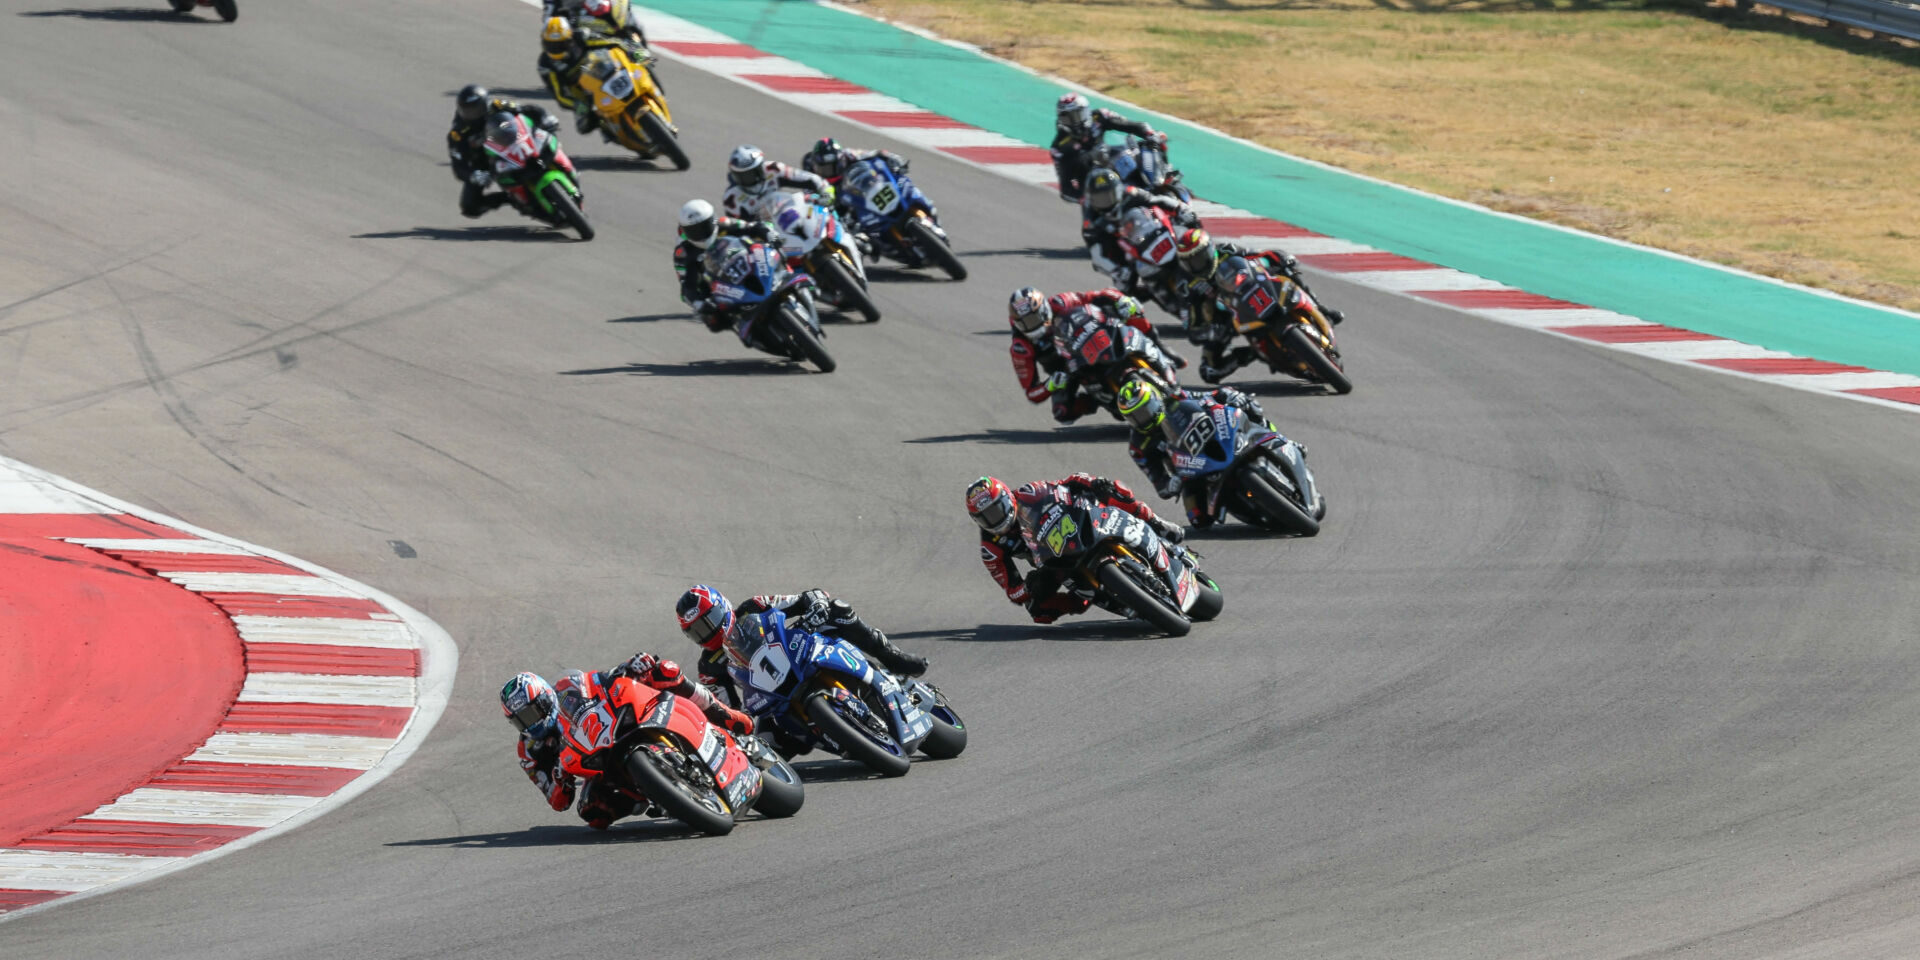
[(735, 722), (480, 178), (1057, 382), (1168, 488), (550, 124), (1168, 531), (639, 666), (1019, 594)]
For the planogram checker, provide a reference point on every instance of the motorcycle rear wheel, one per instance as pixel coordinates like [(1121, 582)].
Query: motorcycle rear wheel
[(1295, 338), (1278, 507), (936, 249), (664, 140), (852, 294), (227, 9), (1145, 604), (801, 336), (781, 792), (854, 745), (673, 794), (569, 211)]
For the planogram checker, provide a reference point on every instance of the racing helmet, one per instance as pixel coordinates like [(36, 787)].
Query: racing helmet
[(747, 168), (825, 158), (1028, 312), (556, 38), (1141, 404), (529, 702), (1075, 114), (1232, 273), (698, 223), (471, 103), (718, 254), (990, 504), (597, 8), (705, 616), (1195, 250), (1103, 190)]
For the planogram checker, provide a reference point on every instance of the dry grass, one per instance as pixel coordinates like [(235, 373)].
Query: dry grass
[(1755, 141)]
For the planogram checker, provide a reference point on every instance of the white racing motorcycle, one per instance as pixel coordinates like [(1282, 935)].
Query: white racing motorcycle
[(817, 243)]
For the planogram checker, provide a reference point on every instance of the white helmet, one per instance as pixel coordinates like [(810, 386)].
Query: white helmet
[(747, 168), (697, 223)]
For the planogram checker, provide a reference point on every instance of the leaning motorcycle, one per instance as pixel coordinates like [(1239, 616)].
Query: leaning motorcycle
[(227, 9), (820, 691), (1126, 567), (1104, 354), (817, 243), (535, 173), (772, 306), (1244, 466), (1143, 164), (654, 747), (897, 217), (1146, 234), (630, 105), (1284, 325)]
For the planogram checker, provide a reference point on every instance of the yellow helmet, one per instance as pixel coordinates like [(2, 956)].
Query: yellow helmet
[(557, 38)]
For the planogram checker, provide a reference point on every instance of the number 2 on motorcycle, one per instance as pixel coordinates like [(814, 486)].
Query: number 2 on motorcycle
[(1096, 346)]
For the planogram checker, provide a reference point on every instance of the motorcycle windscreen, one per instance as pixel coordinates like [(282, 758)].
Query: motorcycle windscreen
[(769, 665)]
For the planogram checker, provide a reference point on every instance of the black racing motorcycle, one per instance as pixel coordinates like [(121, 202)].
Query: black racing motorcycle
[(1126, 567)]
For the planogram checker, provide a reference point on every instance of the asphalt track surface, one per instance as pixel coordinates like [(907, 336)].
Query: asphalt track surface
[(1596, 657)]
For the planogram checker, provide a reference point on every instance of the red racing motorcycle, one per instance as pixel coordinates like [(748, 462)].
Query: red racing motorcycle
[(654, 747)]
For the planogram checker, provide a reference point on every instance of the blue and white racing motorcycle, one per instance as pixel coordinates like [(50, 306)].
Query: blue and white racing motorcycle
[(772, 305), (823, 692), (1142, 164), (1258, 475), (897, 218)]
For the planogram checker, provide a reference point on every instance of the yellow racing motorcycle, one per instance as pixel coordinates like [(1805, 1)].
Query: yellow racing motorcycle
[(630, 105)]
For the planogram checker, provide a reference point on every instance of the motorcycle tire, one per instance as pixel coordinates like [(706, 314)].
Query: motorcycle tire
[(1277, 507), (664, 140), (945, 741), (936, 249), (181, 6), (852, 294), (1295, 338), (668, 792), (568, 210), (1145, 604), (800, 335), (227, 9), (781, 792), (1209, 603), (854, 745)]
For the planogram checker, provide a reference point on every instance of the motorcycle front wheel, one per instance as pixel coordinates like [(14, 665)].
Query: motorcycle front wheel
[(568, 210), (1209, 603), (694, 804), (1145, 603), (664, 140), (1277, 507), (855, 744), (852, 294), (801, 336), (936, 248), (947, 738), (781, 792), (1295, 339)]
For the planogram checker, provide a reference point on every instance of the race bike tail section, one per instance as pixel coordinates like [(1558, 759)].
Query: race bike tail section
[(1147, 236), (536, 175), (818, 243), (630, 104), (897, 217), (773, 305), (821, 691), (657, 748), (1242, 467), (1285, 326), (1123, 563)]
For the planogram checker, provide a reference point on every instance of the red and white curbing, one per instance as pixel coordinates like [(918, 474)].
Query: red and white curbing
[(803, 86), (342, 683)]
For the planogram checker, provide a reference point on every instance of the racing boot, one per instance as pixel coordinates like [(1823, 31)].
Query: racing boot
[(1214, 372), (876, 645)]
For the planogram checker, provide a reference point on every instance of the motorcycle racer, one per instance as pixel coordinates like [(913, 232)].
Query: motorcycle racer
[(1106, 202), (829, 160), (563, 50), (1145, 409), (699, 227), (613, 18), (1118, 305), (711, 622), (1074, 328), (1033, 353), (1209, 322), (752, 178), (538, 709), (466, 144), (1078, 129), (1004, 539)]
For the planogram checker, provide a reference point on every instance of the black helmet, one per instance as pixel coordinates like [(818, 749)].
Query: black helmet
[(1103, 190), (503, 128), (824, 159), (471, 104)]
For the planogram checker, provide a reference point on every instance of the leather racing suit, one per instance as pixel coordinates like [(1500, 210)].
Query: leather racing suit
[(1039, 589), (1070, 149), (467, 153)]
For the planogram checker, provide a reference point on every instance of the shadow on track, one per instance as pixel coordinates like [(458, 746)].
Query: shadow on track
[(902, 274), (617, 163), (1283, 388), (1031, 253), (470, 234), (653, 317), (832, 769), (122, 14), (626, 831), (1234, 530), (1105, 433), (1104, 628), (697, 368), (511, 93)]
